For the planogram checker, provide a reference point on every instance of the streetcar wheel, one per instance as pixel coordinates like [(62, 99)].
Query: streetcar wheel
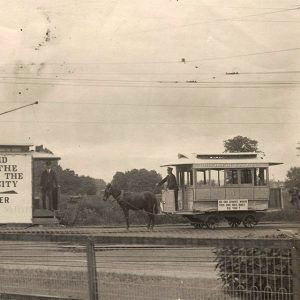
[(233, 222), (249, 221), (199, 225), (211, 223)]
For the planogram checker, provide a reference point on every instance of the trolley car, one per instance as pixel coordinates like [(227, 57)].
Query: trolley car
[(214, 187), (20, 171)]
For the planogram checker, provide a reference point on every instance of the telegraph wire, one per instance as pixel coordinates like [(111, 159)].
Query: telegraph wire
[(174, 105), (247, 54), (163, 62), (151, 81), (153, 73), (154, 123), (211, 21), (187, 86), (162, 105)]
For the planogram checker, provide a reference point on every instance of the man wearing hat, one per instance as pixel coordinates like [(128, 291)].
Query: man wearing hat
[(48, 184), (171, 181), (295, 197)]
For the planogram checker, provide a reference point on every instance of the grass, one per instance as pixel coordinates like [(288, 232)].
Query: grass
[(111, 285)]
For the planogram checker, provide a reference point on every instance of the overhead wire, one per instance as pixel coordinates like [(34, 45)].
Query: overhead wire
[(186, 86), (173, 105), (150, 81), (211, 21), (153, 123), (165, 62), (79, 73)]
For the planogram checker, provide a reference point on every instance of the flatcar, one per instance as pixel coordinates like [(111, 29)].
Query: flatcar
[(214, 187), (20, 171)]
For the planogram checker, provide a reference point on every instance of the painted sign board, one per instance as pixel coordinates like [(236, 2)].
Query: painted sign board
[(232, 204), (15, 188)]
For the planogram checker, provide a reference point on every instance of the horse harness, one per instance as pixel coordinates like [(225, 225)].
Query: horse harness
[(120, 199), (121, 196)]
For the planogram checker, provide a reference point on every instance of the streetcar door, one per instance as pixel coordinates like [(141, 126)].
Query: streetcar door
[(186, 190)]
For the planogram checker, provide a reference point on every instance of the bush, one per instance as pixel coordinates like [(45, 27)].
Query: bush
[(252, 273), (92, 210)]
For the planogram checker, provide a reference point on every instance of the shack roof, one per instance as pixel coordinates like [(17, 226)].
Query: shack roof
[(16, 144), (222, 160), (44, 156)]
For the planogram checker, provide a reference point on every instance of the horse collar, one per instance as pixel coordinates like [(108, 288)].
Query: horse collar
[(121, 196)]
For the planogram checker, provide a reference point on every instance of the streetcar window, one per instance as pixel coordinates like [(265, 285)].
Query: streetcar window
[(217, 177), (202, 177), (221, 177), (188, 178), (260, 176), (246, 176), (231, 177), (214, 178)]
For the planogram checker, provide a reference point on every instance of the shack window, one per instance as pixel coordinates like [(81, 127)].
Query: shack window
[(202, 177), (260, 176), (217, 177), (246, 176), (231, 176)]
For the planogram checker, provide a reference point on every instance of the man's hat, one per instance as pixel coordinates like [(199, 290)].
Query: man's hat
[(170, 169)]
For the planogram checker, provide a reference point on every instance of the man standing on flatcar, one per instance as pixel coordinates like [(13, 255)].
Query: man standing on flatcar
[(48, 185), (171, 181)]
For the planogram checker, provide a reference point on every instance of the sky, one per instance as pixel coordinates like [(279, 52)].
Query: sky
[(130, 83)]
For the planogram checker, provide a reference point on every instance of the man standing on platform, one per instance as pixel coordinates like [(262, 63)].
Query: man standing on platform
[(48, 185), (171, 181)]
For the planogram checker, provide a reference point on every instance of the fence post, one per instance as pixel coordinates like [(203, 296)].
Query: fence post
[(296, 271), (92, 270)]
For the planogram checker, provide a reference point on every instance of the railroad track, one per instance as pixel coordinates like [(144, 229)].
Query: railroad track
[(159, 230)]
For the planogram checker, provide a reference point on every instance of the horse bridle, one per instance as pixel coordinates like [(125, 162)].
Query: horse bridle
[(119, 197)]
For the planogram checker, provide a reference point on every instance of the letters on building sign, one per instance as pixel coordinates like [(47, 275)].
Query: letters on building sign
[(15, 188)]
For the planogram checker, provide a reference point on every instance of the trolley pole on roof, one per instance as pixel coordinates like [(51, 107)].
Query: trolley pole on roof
[(8, 111)]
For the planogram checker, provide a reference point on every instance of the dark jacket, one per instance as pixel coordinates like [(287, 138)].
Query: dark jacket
[(171, 182), (294, 193), (48, 180)]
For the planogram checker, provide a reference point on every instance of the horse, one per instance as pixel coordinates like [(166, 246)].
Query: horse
[(134, 201)]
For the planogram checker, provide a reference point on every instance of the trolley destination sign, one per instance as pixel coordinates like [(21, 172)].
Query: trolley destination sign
[(233, 204)]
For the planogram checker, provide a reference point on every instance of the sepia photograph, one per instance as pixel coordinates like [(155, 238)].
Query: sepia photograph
[(150, 150)]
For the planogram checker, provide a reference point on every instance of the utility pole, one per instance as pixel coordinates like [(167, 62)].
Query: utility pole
[(8, 111)]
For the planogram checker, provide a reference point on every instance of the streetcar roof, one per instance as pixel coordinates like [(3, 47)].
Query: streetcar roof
[(222, 160)]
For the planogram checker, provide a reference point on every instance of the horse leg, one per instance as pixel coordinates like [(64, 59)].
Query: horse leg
[(149, 220), (126, 214), (153, 220)]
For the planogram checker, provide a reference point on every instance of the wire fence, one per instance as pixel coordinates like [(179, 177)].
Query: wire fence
[(214, 269), (224, 272), (44, 269)]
